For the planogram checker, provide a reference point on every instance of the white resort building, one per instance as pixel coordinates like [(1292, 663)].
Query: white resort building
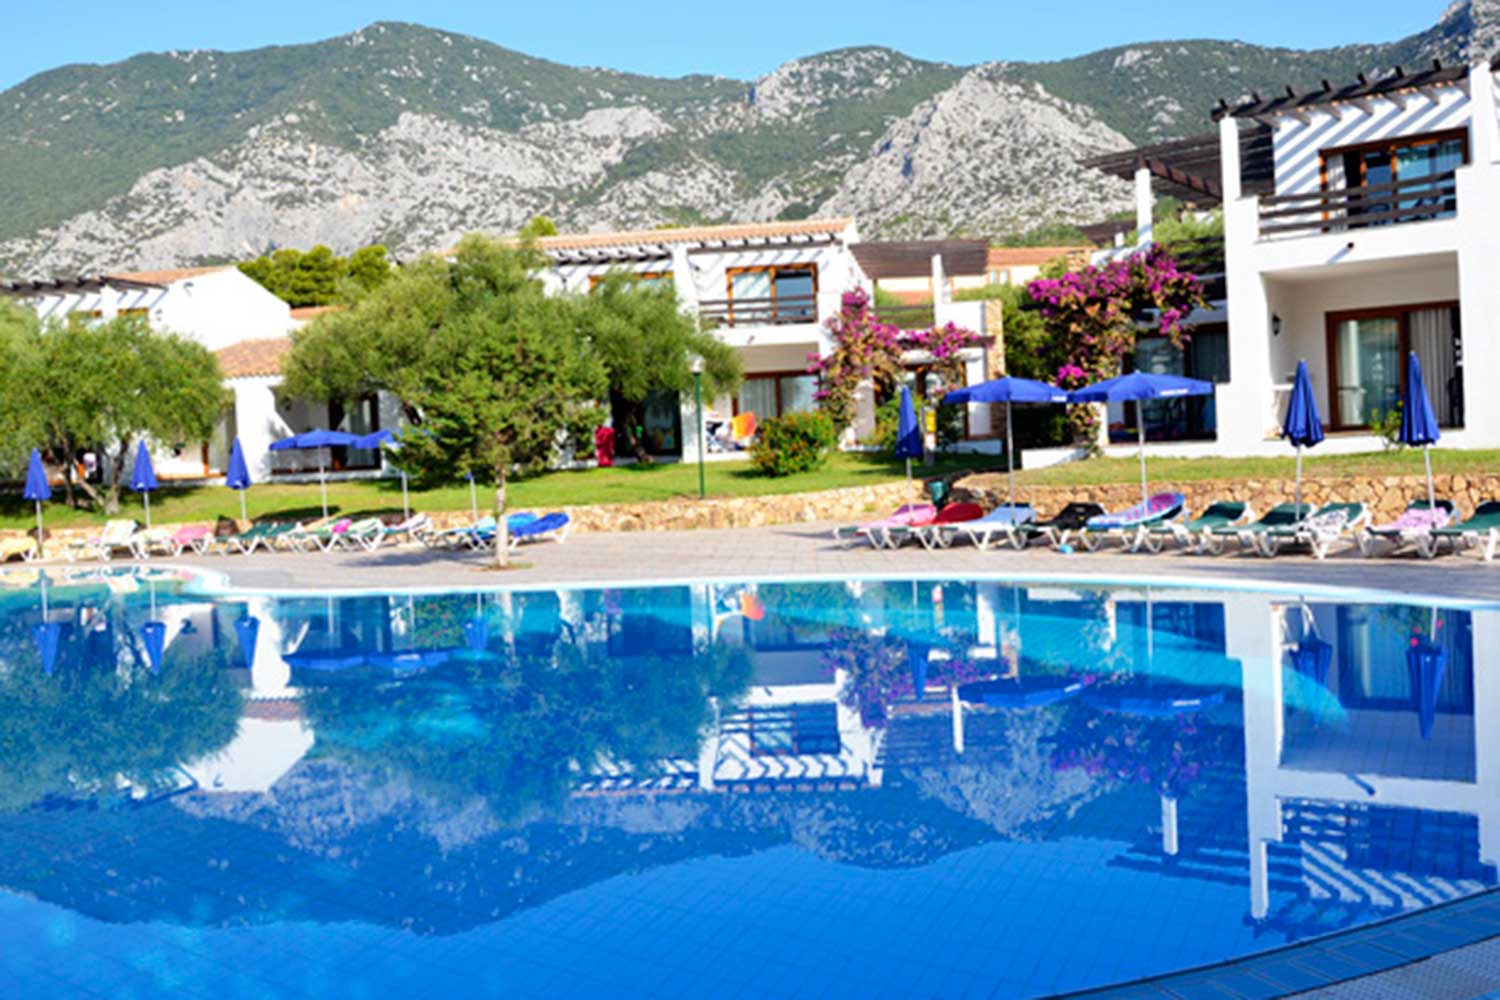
[(1359, 223)]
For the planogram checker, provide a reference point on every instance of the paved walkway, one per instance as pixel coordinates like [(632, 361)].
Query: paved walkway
[(762, 553)]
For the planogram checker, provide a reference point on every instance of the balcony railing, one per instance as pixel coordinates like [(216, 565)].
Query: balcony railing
[(1418, 199), (781, 311)]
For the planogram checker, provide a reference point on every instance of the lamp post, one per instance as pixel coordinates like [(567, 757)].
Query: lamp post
[(698, 407)]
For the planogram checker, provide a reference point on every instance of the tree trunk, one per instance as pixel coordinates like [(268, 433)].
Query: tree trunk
[(502, 536)]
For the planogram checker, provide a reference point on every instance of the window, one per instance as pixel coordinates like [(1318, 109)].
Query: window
[(361, 418), (1205, 357), (776, 394), (1366, 352), (774, 293), (786, 730), (1411, 177)]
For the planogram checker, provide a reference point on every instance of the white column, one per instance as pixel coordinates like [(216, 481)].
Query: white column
[(958, 720), (939, 281), (1484, 142), (1478, 196), (1252, 635), (1229, 158), (1487, 737), (1244, 403), (1145, 204)]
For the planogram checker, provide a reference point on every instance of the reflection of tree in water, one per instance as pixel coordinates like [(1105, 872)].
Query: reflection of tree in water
[(103, 715), (515, 730), (1015, 794)]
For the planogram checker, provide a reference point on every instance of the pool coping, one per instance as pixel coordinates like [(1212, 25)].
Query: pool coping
[(215, 583), (1324, 961)]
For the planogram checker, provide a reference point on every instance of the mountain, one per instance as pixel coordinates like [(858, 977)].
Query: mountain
[(412, 136)]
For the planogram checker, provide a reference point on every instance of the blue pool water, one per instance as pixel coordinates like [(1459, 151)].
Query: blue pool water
[(770, 790)]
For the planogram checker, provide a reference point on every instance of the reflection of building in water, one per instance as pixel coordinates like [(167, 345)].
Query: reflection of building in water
[(271, 739), (1353, 801)]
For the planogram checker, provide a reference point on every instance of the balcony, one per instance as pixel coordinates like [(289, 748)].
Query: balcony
[(1416, 199), (785, 310)]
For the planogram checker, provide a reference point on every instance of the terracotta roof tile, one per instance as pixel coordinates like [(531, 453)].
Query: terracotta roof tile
[(695, 234), (250, 358), (1032, 256), (308, 312), (167, 276)]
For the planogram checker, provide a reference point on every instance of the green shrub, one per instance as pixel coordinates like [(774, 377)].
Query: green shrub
[(797, 442), (950, 425)]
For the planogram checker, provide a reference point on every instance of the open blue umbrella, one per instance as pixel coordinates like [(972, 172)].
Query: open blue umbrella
[(37, 490), (1140, 387), (1419, 425), (1302, 426), (317, 440), (247, 630), (1008, 390), (908, 431), (237, 476), (143, 476)]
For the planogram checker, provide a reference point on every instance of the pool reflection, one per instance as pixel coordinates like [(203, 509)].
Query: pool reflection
[(1282, 767)]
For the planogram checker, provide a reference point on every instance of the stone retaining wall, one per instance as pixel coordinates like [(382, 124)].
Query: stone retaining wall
[(1386, 496)]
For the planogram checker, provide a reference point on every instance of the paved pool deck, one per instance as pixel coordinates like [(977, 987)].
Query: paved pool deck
[(1448, 952), (808, 549)]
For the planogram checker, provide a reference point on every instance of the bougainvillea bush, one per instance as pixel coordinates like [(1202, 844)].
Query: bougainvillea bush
[(1169, 754), (867, 350), (878, 672), (1092, 313)]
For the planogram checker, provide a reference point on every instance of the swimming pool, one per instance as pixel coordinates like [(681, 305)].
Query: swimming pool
[(969, 788)]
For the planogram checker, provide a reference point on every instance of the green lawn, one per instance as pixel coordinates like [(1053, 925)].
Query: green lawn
[(1407, 462), (623, 484)]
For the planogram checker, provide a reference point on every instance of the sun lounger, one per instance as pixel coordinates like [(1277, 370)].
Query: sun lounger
[(1129, 527), (264, 535), (408, 530), (1055, 530), (1199, 531), (324, 536), (482, 535), (549, 527), (471, 535), (115, 537), (1283, 515), (930, 532), (998, 526), (148, 540), (1481, 529), (1417, 520), (24, 547), (1331, 524), (874, 532)]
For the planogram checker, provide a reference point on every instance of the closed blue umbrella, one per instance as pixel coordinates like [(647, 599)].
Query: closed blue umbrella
[(237, 477), (1140, 387), (908, 432), (1419, 425), (37, 490), (317, 440), (1008, 390), (247, 630), (143, 476), (1302, 427), (1426, 662), (1312, 658), (154, 638)]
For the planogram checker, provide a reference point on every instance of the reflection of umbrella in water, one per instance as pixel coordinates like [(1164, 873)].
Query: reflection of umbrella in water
[(154, 635), (1426, 662), (477, 629), (47, 634), (1313, 656), (247, 630), (1015, 691), (1153, 700)]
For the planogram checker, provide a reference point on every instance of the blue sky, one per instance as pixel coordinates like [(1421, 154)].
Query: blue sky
[(672, 37)]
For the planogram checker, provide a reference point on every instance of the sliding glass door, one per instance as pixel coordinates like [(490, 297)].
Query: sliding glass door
[(1367, 355)]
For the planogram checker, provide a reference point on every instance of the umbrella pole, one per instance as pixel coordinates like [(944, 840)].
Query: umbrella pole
[(1298, 494), (908, 472), (1427, 460), (405, 503), (40, 554), (1010, 456), (147, 496), (1140, 420), (323, 483), (474, 498), (244, 510)]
